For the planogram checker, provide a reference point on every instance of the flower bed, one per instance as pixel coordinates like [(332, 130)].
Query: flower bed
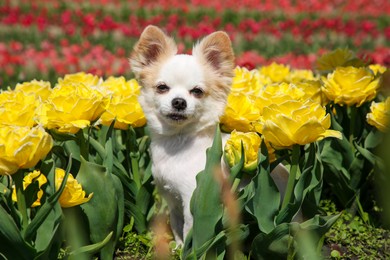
[(55, 39), (75, 175)]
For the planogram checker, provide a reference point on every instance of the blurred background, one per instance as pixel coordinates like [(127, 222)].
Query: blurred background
[(46, 39)]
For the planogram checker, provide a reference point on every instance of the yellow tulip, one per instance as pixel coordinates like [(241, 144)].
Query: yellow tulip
[(71, 107), (126, 111), (350, 86), (312, 89), (40, 89), (379, 115), (17, 108), (295, 122), (248, 81), (124, 106), (298, 75), (276, 72), (73, 193), (280, 93), (377, 69), (251, 142), (87, 79), (22, 147), (240, 113), (118, 86), (27, 180)]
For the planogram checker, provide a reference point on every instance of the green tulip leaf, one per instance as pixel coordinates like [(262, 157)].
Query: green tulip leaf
[(206, 205), (31, 193), (373, 139), (197, 253), (266, 198), (48, 238), (92, 249), (71, 147), (106, 132), (282, 241), (105, 210), (62, 137), (53, 239), (307, 190), (12, 245), (372, 158), (337, 158), (45, 211)]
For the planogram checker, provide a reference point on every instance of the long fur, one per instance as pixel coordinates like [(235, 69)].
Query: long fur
[(180, 136)]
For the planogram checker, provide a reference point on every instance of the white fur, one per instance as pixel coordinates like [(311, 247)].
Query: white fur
[(178, 148), (181, 73)]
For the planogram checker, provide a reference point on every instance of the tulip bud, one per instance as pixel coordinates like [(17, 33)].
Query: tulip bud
[(250, 141), (380, 115), (73, 193)]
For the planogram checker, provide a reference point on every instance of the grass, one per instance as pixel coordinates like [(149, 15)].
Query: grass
[(349, 238)]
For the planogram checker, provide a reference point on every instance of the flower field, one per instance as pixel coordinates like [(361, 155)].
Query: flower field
[(311, 91), (49, 38)]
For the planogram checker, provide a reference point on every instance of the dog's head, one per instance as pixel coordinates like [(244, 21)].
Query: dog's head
[(182, 93)]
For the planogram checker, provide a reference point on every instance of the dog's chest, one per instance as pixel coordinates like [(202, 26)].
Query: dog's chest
[(177, 161)]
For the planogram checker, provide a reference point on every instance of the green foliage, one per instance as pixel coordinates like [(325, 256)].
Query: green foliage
[(273, 233), (350, 163), (206, 208), (338, 58), (135, 246), (29, 239), (115, 168), (104, 216), (350, 237)]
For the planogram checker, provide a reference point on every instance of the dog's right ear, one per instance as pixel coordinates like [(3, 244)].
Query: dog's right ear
[(152, 46)]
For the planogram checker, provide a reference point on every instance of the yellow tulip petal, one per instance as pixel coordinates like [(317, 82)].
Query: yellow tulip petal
[(309, 132), (73, 194), (27, 180), (276, 135), (294, 122)]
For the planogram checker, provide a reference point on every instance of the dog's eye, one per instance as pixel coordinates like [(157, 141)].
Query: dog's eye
[(197, 92), (162, 88)]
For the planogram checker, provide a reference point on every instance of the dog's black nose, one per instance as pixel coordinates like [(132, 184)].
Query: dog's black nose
[(179, 103)]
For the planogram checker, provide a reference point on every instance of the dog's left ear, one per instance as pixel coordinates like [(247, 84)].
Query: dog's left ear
[(216, 51)]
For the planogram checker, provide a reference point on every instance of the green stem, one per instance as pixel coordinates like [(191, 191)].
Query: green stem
[(294, 171), (235, 184), (75, 233), (97, 146), (83, 143), (21, 200), (353, 114), (135, 170), (132, 150)]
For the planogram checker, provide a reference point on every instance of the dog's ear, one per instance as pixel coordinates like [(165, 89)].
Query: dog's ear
[(216, 50), (152, 46)]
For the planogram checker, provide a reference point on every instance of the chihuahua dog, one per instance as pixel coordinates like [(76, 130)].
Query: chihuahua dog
[(183, 97)]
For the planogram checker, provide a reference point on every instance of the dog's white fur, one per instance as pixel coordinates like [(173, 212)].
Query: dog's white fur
[(181, 133)]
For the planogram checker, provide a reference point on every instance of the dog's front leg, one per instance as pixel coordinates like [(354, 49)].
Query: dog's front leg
[(188, 221), (177, 222)]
